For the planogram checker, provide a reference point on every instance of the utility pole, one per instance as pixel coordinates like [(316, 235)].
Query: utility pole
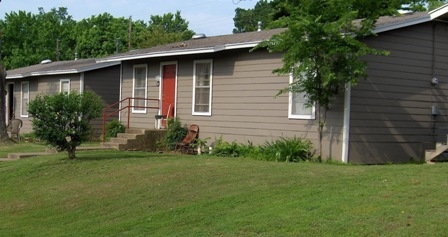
[(57, 49), (117, 46), (130, 34)]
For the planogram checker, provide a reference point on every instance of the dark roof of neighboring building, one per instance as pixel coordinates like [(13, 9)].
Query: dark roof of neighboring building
[(56, 68)]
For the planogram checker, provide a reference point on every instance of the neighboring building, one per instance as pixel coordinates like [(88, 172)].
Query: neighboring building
[(24, 84)]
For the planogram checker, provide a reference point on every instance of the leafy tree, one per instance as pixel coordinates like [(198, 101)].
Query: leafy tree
[(165, 29), (30, 38), (96, 36), (63, 120), (323, 46), (247, 20)]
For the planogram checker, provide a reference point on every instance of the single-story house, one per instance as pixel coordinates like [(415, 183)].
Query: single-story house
[(24, 84), (395, 115)]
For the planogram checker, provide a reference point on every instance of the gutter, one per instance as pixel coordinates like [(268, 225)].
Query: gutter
[(66, 71), (213, 49)]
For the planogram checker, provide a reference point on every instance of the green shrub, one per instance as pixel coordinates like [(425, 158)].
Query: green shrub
[(175, 132), (226, 149), (113, 128), (283, 149), (29, 137), (287, 149), (63, 120)]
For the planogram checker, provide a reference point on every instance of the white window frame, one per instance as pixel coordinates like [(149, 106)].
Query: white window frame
[(61, 82), (139, 110), (291, 103), (209, 113), (26, 95)]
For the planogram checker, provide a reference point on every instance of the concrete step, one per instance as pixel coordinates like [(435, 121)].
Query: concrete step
[(135, 130), (119, 140), (16, 156), (129, 135), (110, 145), (431, 154)]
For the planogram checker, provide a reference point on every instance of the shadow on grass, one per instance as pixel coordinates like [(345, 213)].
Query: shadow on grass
[(107, 155)]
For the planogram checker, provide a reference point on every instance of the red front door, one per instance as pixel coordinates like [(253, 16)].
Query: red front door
[(168, 90)]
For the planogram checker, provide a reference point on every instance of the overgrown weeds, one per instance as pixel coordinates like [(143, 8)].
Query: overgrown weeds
[(175, 132), (283, 149), (113, 128)]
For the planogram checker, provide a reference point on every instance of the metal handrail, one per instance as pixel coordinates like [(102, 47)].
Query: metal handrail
[(128, 107)]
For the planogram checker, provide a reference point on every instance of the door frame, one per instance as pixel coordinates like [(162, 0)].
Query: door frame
[(162, 64), (10, 94)]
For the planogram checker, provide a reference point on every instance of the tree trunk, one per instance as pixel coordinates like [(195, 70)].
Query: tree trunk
[(3, 134), (321, 128), (71, 153)]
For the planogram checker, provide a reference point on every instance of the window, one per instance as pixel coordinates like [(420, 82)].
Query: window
[(139, 89), (25, 88), (202, 87), (64, 85), (297, 105)]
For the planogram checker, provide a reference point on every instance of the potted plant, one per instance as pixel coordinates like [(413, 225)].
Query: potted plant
[(200, 144)]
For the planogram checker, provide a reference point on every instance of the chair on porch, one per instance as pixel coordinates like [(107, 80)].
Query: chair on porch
[(13, 129), (185, 146), (165, 117)]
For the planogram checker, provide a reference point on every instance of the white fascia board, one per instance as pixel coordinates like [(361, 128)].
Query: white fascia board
[(242, 45), (402, 24), (61, 72), (42, 73), (439, 12), (434, 14), (214, 49), (15, 76), (158, 54)]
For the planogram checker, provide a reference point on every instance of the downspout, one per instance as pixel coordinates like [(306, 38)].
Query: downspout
[(81, 83), (346, 125), (121, 86)]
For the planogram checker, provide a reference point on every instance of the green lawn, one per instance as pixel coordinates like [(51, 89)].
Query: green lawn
[(5, 149), (146, 194)]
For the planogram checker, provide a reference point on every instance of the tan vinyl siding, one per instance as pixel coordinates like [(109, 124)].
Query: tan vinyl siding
[(391, 117), (105, 83), (244, 106), (140, 120), (51, 84)]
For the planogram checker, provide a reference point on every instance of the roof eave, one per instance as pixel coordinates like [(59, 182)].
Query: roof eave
[(214, 49), (394, 26), (432, 15), (62, 72)]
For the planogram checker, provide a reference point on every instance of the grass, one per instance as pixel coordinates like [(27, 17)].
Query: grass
[(23, 147), (5, 149), (147, 194)]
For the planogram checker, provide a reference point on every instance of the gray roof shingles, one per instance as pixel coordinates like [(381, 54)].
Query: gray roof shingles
[(191, 45)]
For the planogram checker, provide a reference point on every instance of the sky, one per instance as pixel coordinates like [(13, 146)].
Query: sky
[(211, 17)]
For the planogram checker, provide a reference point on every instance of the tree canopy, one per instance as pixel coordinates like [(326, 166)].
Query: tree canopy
[(30, 38), (246, 20)]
